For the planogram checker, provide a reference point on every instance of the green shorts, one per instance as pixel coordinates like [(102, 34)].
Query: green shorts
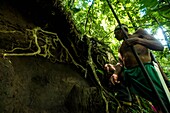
[(140, 86)]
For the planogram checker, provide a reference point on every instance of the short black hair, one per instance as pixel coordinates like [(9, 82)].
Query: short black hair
[(123, 25)]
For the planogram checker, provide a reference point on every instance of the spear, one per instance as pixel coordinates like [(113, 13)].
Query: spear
[(163, 107)]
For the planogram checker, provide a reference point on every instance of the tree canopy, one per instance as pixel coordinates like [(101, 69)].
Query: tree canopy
[(95, 18)]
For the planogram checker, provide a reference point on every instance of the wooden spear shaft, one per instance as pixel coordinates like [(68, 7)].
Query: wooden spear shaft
[(163, 107)]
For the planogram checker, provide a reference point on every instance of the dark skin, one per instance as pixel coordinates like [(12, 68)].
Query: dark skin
[(142, 43)]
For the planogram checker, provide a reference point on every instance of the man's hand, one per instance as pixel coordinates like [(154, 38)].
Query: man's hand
[(109, 67), (114, 79), (115, 71)]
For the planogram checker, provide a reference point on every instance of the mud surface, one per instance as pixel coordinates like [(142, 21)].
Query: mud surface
[(31, 84)]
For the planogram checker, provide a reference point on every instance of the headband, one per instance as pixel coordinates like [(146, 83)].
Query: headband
[(123, 25)]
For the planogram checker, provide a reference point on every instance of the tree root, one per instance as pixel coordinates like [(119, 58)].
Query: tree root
[(46, 41), (104, 93), (51, 41)]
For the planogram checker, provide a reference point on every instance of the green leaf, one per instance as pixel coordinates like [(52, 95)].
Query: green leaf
[(100, 71)]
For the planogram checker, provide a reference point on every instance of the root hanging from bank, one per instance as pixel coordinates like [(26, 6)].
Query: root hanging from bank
[(48, 44), (48, 41)]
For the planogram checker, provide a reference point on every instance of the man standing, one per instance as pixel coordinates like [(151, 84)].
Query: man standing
[(133, 75)]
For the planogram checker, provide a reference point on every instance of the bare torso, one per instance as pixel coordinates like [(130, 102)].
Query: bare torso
[(128, 57)]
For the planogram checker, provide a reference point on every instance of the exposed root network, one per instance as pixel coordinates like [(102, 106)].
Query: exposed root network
[(44, 43)]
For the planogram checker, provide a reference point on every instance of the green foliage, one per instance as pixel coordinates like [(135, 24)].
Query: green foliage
[(94, 18), (97, 20), (100, 71), (164, 59)]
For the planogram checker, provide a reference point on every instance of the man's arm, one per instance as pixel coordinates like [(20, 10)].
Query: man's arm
[(117, 75), (143, 38)]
